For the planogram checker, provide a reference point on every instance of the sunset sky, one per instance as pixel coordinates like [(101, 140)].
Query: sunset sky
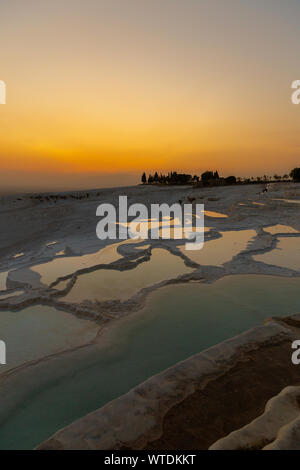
[(100, 90)]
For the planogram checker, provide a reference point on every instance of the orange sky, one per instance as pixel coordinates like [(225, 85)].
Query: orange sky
[(119, 87)]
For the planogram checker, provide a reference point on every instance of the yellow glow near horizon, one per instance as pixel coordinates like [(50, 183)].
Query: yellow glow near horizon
[(134, 86)]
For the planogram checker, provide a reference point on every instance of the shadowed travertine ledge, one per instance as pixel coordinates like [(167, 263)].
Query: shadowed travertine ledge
[(277, 429), (196, 402)]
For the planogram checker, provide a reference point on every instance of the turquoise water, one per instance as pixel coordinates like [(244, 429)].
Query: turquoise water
[(178, 321), (40, 330)]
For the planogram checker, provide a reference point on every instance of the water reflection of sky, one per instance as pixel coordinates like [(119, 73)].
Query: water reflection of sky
[(107, 284), (286, 254)]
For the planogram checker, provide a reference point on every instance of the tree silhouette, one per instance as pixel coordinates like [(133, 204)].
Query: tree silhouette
[(230, 179), (206, 176), (295, 174), (210, 178)]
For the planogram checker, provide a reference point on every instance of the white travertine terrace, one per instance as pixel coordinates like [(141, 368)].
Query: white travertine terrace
[(256, 225), (240, 239), (137, 418)]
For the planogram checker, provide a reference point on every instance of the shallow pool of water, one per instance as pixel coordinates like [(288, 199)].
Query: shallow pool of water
[(290, 201), (107, 284), (178, 321), (274, 229), (219, 251), (286, 254), (66, 265), (217, 215), (39, 330)]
